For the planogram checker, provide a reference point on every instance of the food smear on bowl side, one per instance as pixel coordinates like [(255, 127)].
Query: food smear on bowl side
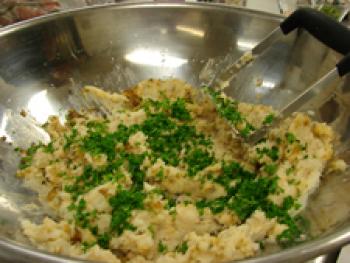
[(163, 178)]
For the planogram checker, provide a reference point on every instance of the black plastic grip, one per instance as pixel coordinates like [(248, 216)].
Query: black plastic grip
[(343, 65), (324, 28)]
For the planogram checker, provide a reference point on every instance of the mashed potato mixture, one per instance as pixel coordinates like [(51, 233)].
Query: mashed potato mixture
[(162, 177)]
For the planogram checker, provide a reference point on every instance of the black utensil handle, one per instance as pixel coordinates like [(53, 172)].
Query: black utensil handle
[(343, 65), (324, 28)]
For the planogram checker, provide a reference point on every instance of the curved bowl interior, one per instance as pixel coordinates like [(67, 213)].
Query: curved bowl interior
[(117, 46)]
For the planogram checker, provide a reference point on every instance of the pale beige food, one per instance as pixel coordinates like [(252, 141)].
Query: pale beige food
[(185, 231)]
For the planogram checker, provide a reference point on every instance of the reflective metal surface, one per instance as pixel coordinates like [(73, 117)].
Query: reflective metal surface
[(117, 46), (230, 71)]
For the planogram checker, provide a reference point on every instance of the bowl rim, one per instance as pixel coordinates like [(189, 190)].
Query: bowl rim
[(303, 251), (21, 25)]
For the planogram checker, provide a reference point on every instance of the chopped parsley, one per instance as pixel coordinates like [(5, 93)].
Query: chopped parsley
[(228, 109), (87, 245), (171, 203), (179, 111), (290, 137), (49, 148), (26, 161), (97, 126), (270, 169), (167, 138), (103, 240), (247, 199), (270, 152), (303, 147), (171, 136), (292, 234), (216, 206), (242, 198), (176, 109), (198, 159), (99, 143), (162, 248), (248, 129), (231, 171), (134, 164), (182, 248), (70, 139), (91, 178), (122, 205), (81, 215), (269, 119), (160, 174), (290, 170)]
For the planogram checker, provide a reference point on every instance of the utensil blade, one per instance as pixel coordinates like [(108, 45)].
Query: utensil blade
[(296, 104), (223, 77)]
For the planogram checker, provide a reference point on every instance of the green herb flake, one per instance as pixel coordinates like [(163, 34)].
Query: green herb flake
[(82, 217), (182, 248), (171, 203), (162, 248), (17, 149), (49, 148), (247, 199), (99, 143), (272, 152), (70, 139), (269, 119), (122, 205), (292, 234), (160, 174), (292, 181), (303, 147), (290, 137), (26, 161), (179, 111), (198, 159), (187, 202), (87, 245), (247, 130), (152, 231), (228, 109), (270, 169), (96, 126), (103, 240), (261, 245), (290, 170)]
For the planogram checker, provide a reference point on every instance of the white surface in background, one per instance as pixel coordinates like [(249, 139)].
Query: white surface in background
[(265, 5), (344, 256)]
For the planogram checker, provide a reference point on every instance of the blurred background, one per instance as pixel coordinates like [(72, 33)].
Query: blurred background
[(12, 11)]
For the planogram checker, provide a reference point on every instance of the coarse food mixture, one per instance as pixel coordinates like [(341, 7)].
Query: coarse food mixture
[(163, 178)]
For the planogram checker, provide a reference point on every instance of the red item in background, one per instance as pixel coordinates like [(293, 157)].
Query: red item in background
[(12, 11)]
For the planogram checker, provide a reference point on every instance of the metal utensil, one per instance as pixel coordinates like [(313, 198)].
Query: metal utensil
[(342, 68), (324, 28)]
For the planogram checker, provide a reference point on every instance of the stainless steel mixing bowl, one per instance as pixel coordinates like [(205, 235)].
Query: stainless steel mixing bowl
[(115, 47)]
